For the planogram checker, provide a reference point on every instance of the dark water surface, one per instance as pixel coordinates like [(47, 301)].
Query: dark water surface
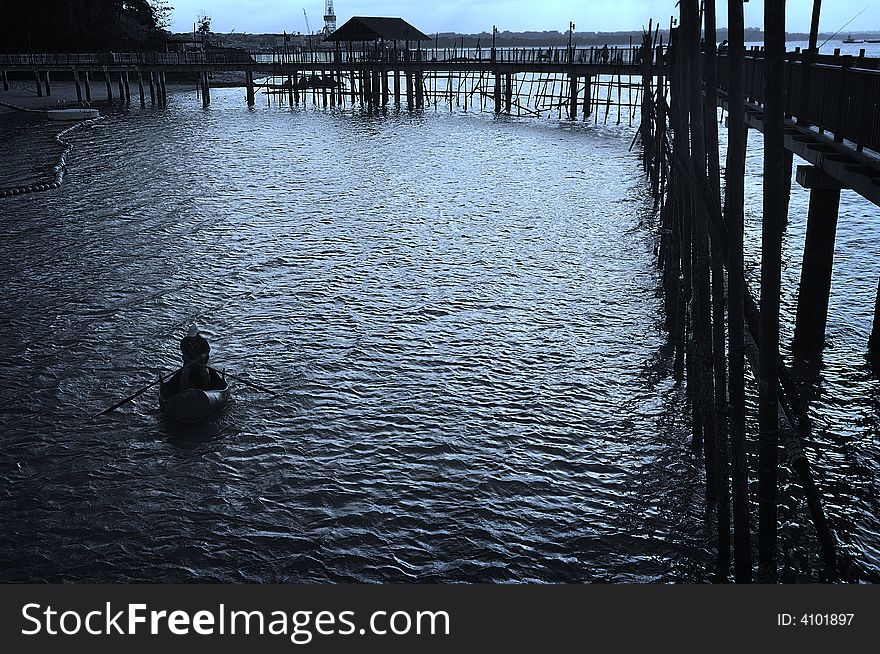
[(462, 318)]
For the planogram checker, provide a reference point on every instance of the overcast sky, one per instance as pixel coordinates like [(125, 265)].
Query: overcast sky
[(471, 16)]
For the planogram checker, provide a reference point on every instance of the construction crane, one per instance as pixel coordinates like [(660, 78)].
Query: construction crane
[(329, 18), (308, 27)]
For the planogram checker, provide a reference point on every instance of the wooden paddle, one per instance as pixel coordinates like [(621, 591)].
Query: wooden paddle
[(251, 384), (134, 395)]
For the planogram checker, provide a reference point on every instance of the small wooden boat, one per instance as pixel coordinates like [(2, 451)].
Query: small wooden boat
[(80, 113), (193, 404)]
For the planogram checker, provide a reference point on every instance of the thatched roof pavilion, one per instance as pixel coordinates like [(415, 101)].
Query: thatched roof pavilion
[(366, 28)]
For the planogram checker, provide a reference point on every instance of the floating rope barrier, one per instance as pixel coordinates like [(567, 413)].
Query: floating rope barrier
[(60, 166)]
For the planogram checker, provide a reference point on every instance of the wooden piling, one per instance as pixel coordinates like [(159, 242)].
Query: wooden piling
[(683, 364), (497, 93), (771, 271), (701, 319), (39, 83), (48, 85), (164, 89), (734, 210), (588, 96), (140, 75), (874, 341), (397, 87), (79, 95), (5, 80), (121, 89), (572, 96), (368, 88), (206, 91), (508, 93), (420, 90), (127, 88), (109, 84), (249, 82), (815, 286), (719, 360)]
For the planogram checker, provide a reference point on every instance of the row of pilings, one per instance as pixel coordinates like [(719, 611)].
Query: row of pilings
[(713, 321), (152, 80)]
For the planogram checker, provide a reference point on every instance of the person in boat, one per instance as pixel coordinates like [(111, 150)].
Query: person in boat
[(195, 350)]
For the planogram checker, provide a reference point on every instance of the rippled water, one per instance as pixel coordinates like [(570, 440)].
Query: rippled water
[(461, 316)]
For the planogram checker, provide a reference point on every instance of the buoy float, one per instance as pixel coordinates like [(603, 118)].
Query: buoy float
[(58, 169)]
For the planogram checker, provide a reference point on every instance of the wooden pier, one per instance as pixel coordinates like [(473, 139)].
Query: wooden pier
[(522, 81), (827, 111)]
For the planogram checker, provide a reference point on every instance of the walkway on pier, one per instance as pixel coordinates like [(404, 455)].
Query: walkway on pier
[(833, 115)]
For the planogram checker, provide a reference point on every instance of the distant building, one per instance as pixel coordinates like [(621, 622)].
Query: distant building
[(184, 43)]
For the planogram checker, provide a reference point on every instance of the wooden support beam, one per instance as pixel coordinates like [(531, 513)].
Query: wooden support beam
[(588, 95), (734, 210), (771, 273), (249, 82), (79, 95), (368, 88), (48, 85), (109, 84), (39, 83), (420, 90), (874, 341), (572, 96), (206, 91), (815, 286), (140, 74)]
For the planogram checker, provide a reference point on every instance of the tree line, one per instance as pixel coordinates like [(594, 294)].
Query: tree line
[(82, 25)]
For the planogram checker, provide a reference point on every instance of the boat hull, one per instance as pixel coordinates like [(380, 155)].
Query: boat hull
[(72, 114), (194, 404)]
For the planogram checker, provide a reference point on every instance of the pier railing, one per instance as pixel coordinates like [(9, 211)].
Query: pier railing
[(620, 56), (841, 99)]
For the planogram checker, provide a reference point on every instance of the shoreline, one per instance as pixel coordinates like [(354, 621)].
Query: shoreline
[(23, 94)]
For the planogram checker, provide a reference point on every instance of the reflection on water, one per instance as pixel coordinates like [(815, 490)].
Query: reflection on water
[(461, 316)]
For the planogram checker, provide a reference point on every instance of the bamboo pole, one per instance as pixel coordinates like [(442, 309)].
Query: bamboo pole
[(718, 331), (702, 321), (735, 191), (771, 271)]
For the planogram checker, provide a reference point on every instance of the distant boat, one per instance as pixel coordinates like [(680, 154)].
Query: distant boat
[(850, 39), (82, 113), (872, 40)]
